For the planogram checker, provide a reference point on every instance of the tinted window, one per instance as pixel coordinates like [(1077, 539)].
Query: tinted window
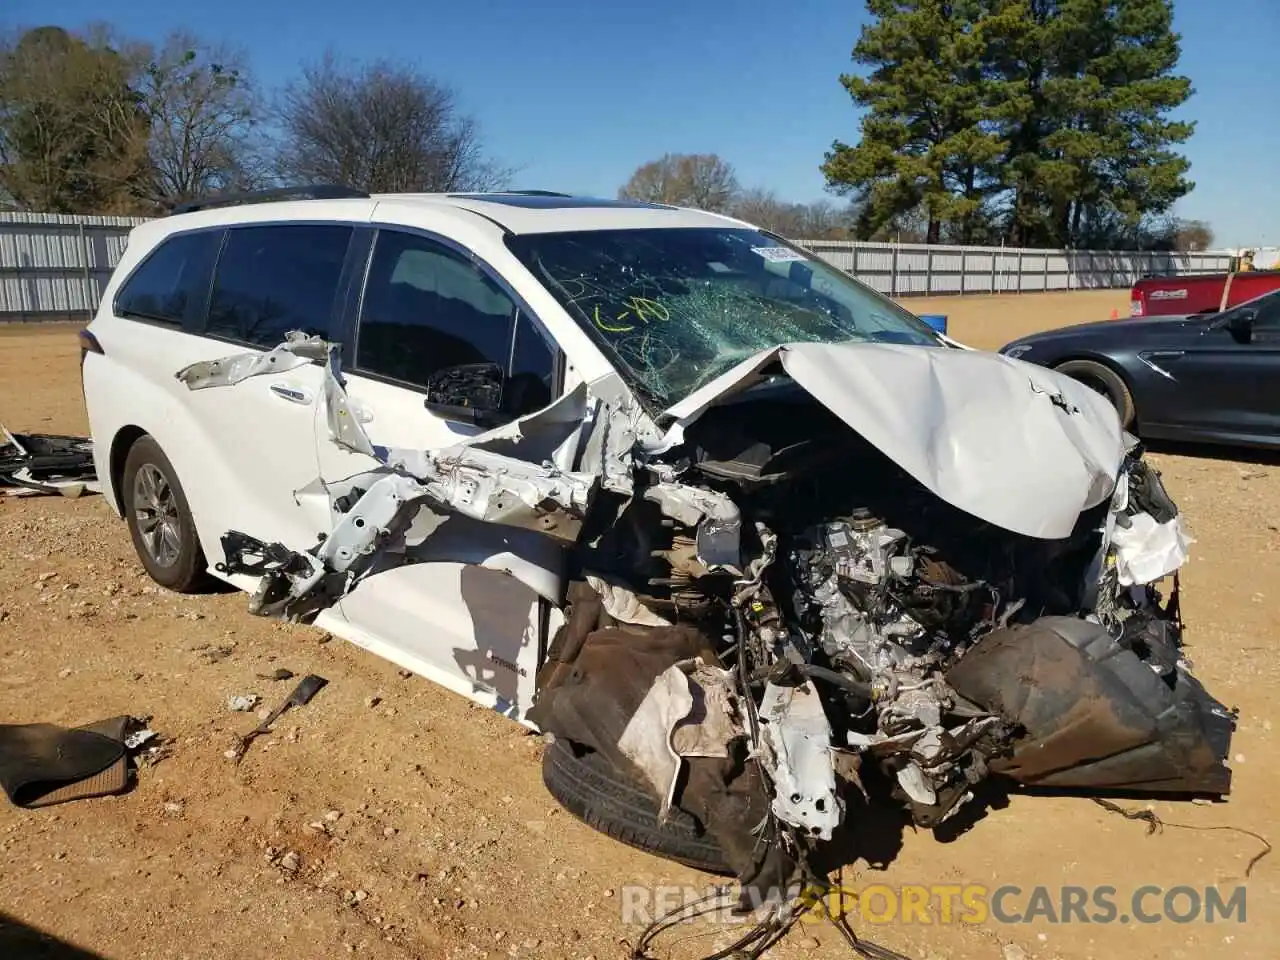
[(531, 380), (1268, 313), (428, 309), (274, 279), (171, 284)]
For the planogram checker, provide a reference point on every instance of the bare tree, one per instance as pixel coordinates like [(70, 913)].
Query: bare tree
[(381, 127), (653, 182), (819, 220), (763, 208), (701, 180), (1193, 235), (203, 109), (823, 220)]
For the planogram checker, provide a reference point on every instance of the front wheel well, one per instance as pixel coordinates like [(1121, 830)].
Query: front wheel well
[(121, 444), (1118, 371)]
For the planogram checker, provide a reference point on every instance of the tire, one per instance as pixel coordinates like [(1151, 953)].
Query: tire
[(154, 501), (605, 799), (1100, 377)]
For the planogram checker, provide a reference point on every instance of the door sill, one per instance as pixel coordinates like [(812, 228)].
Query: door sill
[(332, 621)]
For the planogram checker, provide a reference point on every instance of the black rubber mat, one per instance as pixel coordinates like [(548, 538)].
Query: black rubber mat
[(42, 764)]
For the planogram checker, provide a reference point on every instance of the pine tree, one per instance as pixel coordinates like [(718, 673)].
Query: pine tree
[(1089, 84), (927, 137), (1046, 120)]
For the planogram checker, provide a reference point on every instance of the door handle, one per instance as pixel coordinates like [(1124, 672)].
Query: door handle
[(293, 394)]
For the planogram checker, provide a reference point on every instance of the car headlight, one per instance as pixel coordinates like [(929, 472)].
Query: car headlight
[(1015, 352)]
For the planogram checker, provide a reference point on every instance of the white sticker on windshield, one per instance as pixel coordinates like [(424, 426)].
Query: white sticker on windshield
[(779, 254)]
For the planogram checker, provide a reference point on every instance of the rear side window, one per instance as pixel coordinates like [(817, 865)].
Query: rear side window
[(171, 284), (274, 279)]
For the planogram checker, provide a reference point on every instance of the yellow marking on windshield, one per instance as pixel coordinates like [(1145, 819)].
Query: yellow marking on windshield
[(648, 310), (604, 324), (641, 307)]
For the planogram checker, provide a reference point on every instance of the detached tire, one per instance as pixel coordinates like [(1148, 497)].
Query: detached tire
[(159, 519), (1101, 378), (605, 799)]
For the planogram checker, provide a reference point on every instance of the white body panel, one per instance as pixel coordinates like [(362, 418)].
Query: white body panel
[(239, 456), (471, 611)]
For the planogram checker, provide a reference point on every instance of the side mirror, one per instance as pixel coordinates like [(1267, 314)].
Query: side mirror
[(1240, 324), (469, 391)]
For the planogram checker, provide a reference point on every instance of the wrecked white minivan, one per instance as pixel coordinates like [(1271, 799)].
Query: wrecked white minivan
[(749, 541)]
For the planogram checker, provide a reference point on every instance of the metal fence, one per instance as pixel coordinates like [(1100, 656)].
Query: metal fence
[(912, 269), (52, 265)]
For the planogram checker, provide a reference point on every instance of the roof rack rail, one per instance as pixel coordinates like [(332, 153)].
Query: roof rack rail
[(320, 191), (538, 193)]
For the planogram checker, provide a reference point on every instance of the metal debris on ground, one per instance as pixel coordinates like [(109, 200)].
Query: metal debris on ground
[(146, 746), (138, 738), (32, 464), (1156, 825), (307, 688), (243, 703), (152, 755), (776, 920)]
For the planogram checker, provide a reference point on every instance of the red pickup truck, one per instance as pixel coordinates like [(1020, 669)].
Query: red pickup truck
[(1177, 296)]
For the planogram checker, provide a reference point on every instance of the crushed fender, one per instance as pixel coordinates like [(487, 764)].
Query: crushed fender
[(516, 475)]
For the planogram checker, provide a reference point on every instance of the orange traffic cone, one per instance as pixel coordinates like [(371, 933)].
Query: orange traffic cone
[(1115, 314)]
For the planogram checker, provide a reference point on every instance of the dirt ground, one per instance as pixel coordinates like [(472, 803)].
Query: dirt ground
[(420, 824), (991, 322)]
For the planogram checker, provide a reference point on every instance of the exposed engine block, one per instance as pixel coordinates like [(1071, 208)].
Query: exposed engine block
[(889, 614)]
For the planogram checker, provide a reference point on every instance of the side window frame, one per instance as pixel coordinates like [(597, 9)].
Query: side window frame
[(351, 292), (524, 313), (193, 319), (338, 320), (1268, 324)]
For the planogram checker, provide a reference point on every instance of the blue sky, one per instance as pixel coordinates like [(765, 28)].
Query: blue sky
[(577, 93)]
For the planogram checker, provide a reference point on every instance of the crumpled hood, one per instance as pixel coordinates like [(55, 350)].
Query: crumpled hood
[(1012, 443)]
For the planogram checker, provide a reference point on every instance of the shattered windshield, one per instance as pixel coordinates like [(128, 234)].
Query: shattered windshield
[(680, 306)]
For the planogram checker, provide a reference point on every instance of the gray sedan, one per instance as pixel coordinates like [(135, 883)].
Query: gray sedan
[(1212, 378)]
